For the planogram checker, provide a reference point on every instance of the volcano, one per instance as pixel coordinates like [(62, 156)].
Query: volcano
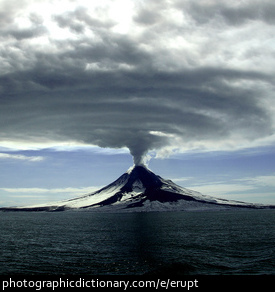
[(139, 189)]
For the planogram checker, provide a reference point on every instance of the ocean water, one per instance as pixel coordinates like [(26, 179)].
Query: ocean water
[(172, 243)]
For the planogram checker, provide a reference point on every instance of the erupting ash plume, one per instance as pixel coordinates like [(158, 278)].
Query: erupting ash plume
[(138, 160), (142, 143), (138, 157)]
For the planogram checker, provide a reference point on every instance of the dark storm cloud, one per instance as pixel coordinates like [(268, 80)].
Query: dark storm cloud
[(150, 13), (9, 10), (233, 13), (79, 19), (116, 90), (21, 34)]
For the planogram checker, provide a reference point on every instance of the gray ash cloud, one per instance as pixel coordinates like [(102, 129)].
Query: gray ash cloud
[(185, 74)]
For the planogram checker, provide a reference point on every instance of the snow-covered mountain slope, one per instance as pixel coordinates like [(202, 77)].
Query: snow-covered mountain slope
[(139, 189)]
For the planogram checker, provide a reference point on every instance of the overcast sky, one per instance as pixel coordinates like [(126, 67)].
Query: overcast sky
[(187, 84)]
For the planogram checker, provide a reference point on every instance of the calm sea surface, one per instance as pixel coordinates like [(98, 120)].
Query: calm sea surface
[(177, 243)]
